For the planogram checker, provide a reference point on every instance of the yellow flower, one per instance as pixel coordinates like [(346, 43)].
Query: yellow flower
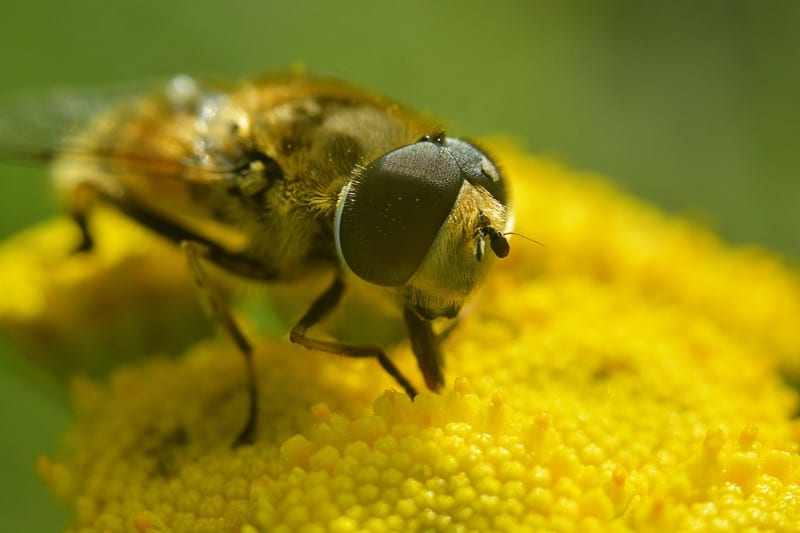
[(624, 377), (68, 311)]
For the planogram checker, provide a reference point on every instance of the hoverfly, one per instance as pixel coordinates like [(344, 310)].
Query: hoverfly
[(301, 174)]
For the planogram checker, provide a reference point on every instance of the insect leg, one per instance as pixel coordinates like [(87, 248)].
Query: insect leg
[(79, 205), (196, 248), (321, 307), (425, 345), (235, 263), (215, 304)]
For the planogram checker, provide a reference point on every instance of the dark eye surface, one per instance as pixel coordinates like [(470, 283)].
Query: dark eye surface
[(391, 213), (477, 168)]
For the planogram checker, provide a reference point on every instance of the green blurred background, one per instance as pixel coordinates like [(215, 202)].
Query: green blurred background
[(693, 105)]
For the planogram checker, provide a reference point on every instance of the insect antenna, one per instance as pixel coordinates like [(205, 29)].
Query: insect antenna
[(543, 245)]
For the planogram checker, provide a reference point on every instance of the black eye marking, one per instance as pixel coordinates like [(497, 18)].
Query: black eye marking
[(497, 241)]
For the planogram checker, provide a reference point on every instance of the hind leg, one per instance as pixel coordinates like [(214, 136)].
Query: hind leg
[(198, 250), (215, 305)]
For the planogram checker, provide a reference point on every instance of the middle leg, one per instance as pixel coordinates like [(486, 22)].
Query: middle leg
[(318, 311)]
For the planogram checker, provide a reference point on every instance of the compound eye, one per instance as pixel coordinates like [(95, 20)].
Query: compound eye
[(390, 214), (477, 167)]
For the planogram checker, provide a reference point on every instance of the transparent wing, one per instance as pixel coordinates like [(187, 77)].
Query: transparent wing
[(36, 128)]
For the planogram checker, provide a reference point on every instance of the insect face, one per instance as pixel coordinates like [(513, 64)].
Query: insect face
[(416, 219)]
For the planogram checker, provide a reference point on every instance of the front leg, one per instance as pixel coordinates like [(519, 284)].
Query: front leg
[(318, 311), (426, 347)]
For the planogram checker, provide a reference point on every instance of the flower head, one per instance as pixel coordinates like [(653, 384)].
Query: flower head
[(624, 377)]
